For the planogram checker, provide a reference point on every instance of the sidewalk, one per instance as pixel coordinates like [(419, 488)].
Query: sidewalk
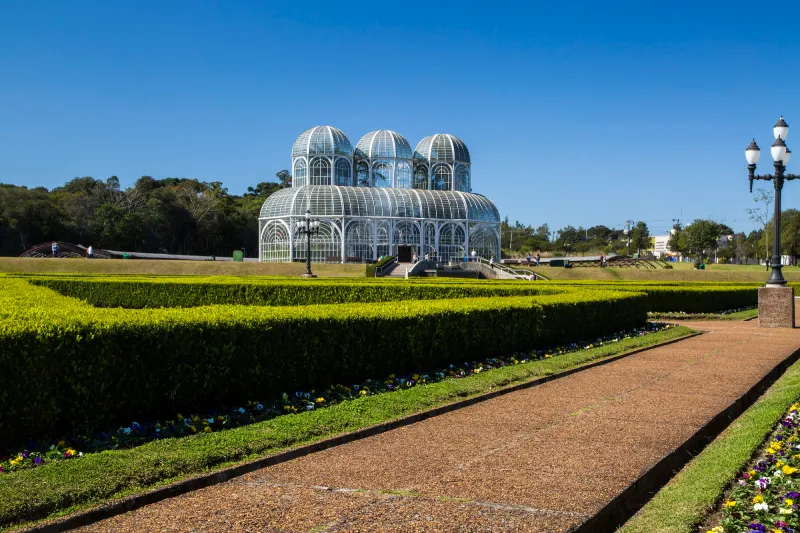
[(541, 459)]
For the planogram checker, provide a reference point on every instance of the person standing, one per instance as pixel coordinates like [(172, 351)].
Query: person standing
[(537, 259), (54, 248), (491, 262), (90, 252), (474, 255), (529, 258)]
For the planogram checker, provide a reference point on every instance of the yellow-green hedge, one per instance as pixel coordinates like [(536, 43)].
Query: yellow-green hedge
[(65, 363)]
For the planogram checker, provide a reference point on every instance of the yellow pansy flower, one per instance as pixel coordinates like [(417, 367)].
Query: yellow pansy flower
[(788, 469), (729, 504), (758, 499)]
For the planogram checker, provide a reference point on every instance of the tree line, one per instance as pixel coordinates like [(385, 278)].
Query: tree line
[(171, 215), (192, 217)]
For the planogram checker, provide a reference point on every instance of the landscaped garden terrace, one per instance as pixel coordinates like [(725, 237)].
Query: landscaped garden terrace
[(84, 355)]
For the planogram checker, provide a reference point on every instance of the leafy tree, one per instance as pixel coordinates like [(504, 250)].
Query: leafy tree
[(284, 178), (640, 237), (701, 238)]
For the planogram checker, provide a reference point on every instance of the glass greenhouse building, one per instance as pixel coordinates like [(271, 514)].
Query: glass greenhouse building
[(379, 199)]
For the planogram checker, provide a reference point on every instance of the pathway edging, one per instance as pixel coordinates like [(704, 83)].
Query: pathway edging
[(113, 508), (619, 510)]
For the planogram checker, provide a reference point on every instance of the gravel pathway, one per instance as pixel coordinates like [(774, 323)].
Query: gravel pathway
[(543, 459)]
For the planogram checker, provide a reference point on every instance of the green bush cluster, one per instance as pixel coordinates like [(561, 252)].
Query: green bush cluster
[(149, 293), (67, 364)]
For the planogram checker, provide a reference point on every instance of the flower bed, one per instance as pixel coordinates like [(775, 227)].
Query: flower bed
[(766, 497), (35, 454)]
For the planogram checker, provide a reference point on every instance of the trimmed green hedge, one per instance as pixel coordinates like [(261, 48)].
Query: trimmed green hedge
[(66, 364), (143, 293), (139, 293)]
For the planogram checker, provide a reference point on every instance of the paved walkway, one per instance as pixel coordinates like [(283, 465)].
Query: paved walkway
[(541, 459)]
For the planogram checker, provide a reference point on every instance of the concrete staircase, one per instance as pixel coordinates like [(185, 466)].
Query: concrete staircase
[(399, 271)]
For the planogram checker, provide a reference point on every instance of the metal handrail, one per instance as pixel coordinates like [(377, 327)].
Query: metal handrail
[(525, 274), (379, 270)]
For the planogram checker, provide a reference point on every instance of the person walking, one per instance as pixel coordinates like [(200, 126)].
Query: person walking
[(414, 257), (474, 255), (54, 248), (491, 262), (537, 259), (529, 258), (90, 252)]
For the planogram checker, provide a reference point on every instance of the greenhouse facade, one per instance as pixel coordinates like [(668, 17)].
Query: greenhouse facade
[(379, 199)]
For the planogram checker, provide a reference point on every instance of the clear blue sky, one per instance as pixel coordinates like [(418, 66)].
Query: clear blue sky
[(574, 112)]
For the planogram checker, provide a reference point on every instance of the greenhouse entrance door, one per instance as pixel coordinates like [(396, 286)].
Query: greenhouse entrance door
[(404, 254)]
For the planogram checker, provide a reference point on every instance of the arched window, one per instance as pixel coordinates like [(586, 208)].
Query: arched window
[(403, 176), (363, 174), (451, 242), (442, 178), (421, 177), (299, 178), (343, 176), (462, 178), (320, 172), (275, 242), (407, 233), (359, 242), (381, 174)]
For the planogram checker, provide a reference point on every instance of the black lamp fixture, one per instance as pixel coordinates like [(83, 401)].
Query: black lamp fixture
[(780, 156), (307, 226)]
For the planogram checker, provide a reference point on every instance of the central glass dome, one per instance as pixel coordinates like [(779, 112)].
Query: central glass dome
[(383, 143)]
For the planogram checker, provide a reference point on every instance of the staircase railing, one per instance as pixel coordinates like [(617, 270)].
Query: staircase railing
[(517, 273), (382, 269)]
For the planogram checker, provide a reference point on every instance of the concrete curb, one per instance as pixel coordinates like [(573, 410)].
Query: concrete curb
[(626, 504), (131, 503)]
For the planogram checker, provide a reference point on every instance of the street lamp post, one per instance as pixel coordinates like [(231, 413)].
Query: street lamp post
[(780, 156), (307, 226)]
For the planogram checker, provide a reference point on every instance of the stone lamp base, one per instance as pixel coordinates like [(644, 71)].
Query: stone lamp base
[(776, 307)]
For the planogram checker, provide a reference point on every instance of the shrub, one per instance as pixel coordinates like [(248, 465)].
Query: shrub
[(144, 293), (67, 364)]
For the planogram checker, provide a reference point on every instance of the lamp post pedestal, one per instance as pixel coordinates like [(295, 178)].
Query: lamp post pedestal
[(776, 307)]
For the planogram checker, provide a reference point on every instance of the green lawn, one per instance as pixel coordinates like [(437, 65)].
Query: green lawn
[(739, 315), (679, 272), (682, 505), (68, 486), (164, 267)]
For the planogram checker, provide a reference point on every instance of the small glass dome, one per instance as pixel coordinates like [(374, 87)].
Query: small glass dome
[(322, 140), (383, 143), (442, 147)]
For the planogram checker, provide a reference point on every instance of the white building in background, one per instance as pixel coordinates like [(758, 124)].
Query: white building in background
[(378, 199), (660, 248)]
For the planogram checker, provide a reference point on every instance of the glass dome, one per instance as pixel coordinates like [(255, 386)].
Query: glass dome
[(442, 147), (383, 143), (333, 201), (322, 140)]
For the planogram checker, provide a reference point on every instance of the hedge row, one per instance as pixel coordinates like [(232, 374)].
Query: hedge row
[(67, 364), (139, 293), (142, 293)]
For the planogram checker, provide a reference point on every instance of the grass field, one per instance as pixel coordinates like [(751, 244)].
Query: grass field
[(157, 267), (679, 272)]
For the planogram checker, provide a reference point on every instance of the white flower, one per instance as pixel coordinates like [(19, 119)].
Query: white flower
[(310, 407), (783, 510), (210, 420), (761, 507), (777, 473)]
